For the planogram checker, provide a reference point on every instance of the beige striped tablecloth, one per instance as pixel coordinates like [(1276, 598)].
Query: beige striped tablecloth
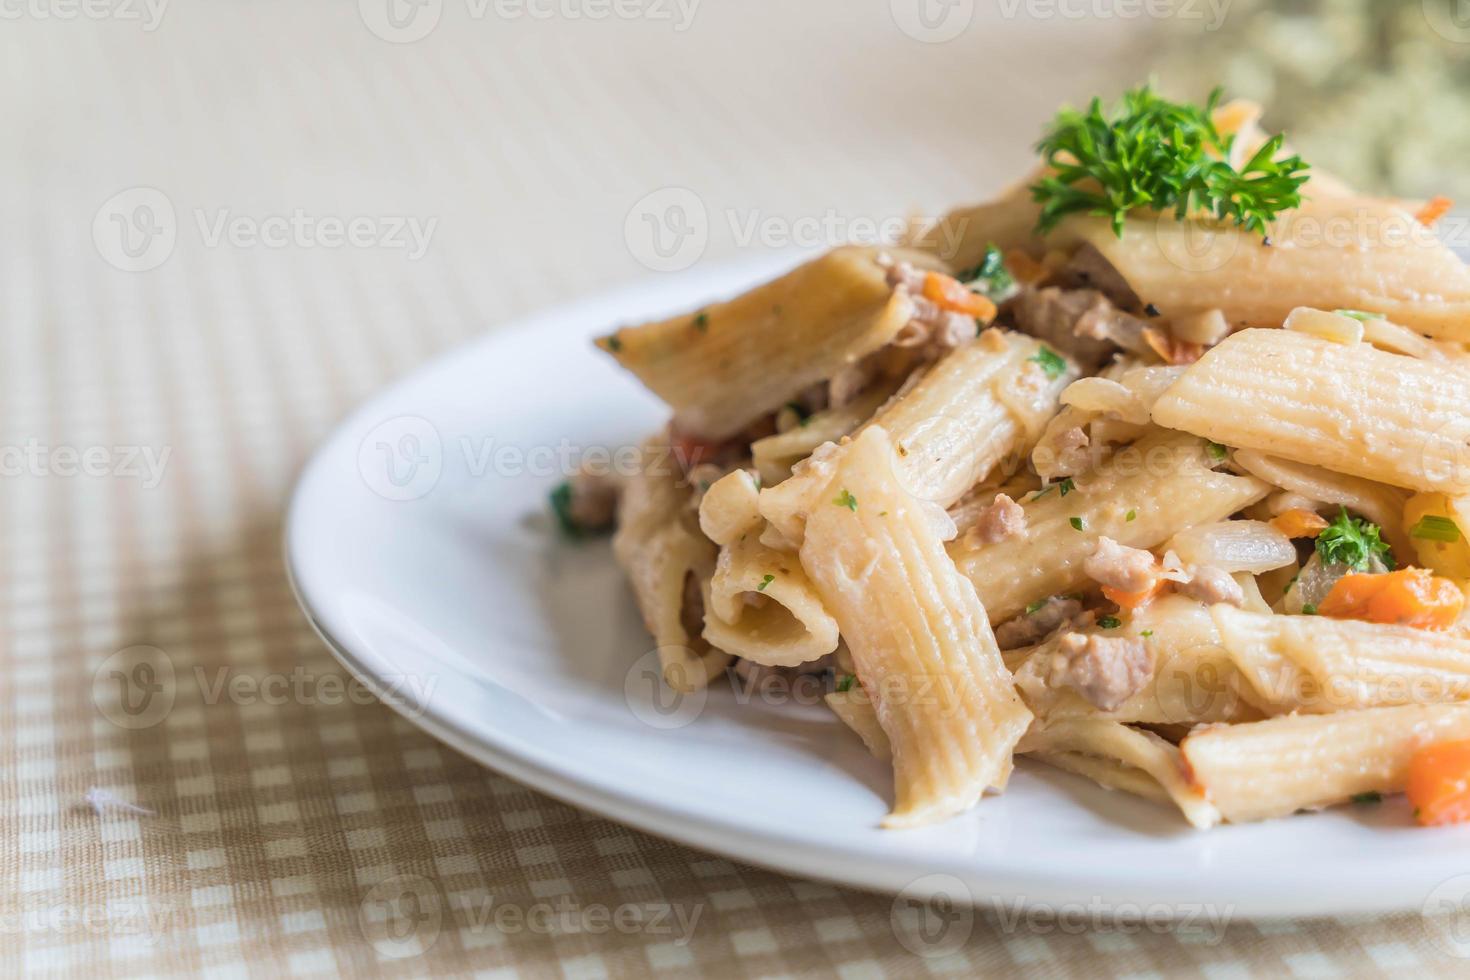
[(223, 224)]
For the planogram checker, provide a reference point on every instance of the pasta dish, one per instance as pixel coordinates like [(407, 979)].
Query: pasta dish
[(1155, 469)]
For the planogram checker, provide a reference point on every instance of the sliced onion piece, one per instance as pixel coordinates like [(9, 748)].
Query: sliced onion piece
[(1234, 546)]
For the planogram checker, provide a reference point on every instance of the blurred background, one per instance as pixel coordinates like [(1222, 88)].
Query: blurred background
[(224, 223)]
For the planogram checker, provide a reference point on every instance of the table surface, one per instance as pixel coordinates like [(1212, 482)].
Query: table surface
[(206, 260)]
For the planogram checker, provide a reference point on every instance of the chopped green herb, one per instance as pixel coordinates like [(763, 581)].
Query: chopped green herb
[(1146, 633), (1110, 622), (1043, 491), (1131, 516), (846, 499), (845, 685), (990, 277), (882, 513), (1067, 486), (701, 321), (1161, 155), (767, 580), (1432, 527), (1216, 451), (1359, 315), (1151, 310), (1078, 524), (561, 506), (1031, 607), (980, 326), (614, 344), (1051, 362), (802, 415), (1308, 609), (1353, 542), (1372, 796)]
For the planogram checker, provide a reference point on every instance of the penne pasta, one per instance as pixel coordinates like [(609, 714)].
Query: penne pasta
[(1318, 665), (775, 455), (918, 635), (855, 709), (984, 403), (723, 367), (1135, 749), (661, 554), (763, 608), (1352, 409), (1332, 253), (1164, 481), (1193, 679), (1272, 768)]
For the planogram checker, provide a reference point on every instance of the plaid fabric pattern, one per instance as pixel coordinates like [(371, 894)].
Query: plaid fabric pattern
[(154, 411)]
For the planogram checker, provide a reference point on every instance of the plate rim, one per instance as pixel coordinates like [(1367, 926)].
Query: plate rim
[(852, 867)]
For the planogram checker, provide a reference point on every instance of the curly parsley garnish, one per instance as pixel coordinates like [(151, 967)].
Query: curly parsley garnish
[(846, 499), (1051, 362), (990, 277), (1353, 542), (1156, 154)]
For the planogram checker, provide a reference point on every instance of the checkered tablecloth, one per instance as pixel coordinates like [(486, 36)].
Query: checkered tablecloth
[(208, 214)]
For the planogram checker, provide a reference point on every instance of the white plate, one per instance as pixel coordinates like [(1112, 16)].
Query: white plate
[(535, 663)]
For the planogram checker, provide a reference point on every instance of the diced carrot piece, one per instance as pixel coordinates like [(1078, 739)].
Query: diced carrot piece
[(1439, 783), (1433, 210), (1133, 600), (1408, 597), (1023, 268), (950, 294), (1300, 523)]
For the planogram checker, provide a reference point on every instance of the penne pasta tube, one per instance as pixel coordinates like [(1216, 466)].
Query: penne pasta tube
[(1348, 664), (724, 366), (984, 403), (730, 508), (855, 709), (1379, 502), (1107, 773), (961, 237), (1193, 679), (662, 554), (919, 637), (1133, 748), (1332, 253), (1351, 409), (775, 455), (1163, 481), (763, 608), (1272, 768)]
